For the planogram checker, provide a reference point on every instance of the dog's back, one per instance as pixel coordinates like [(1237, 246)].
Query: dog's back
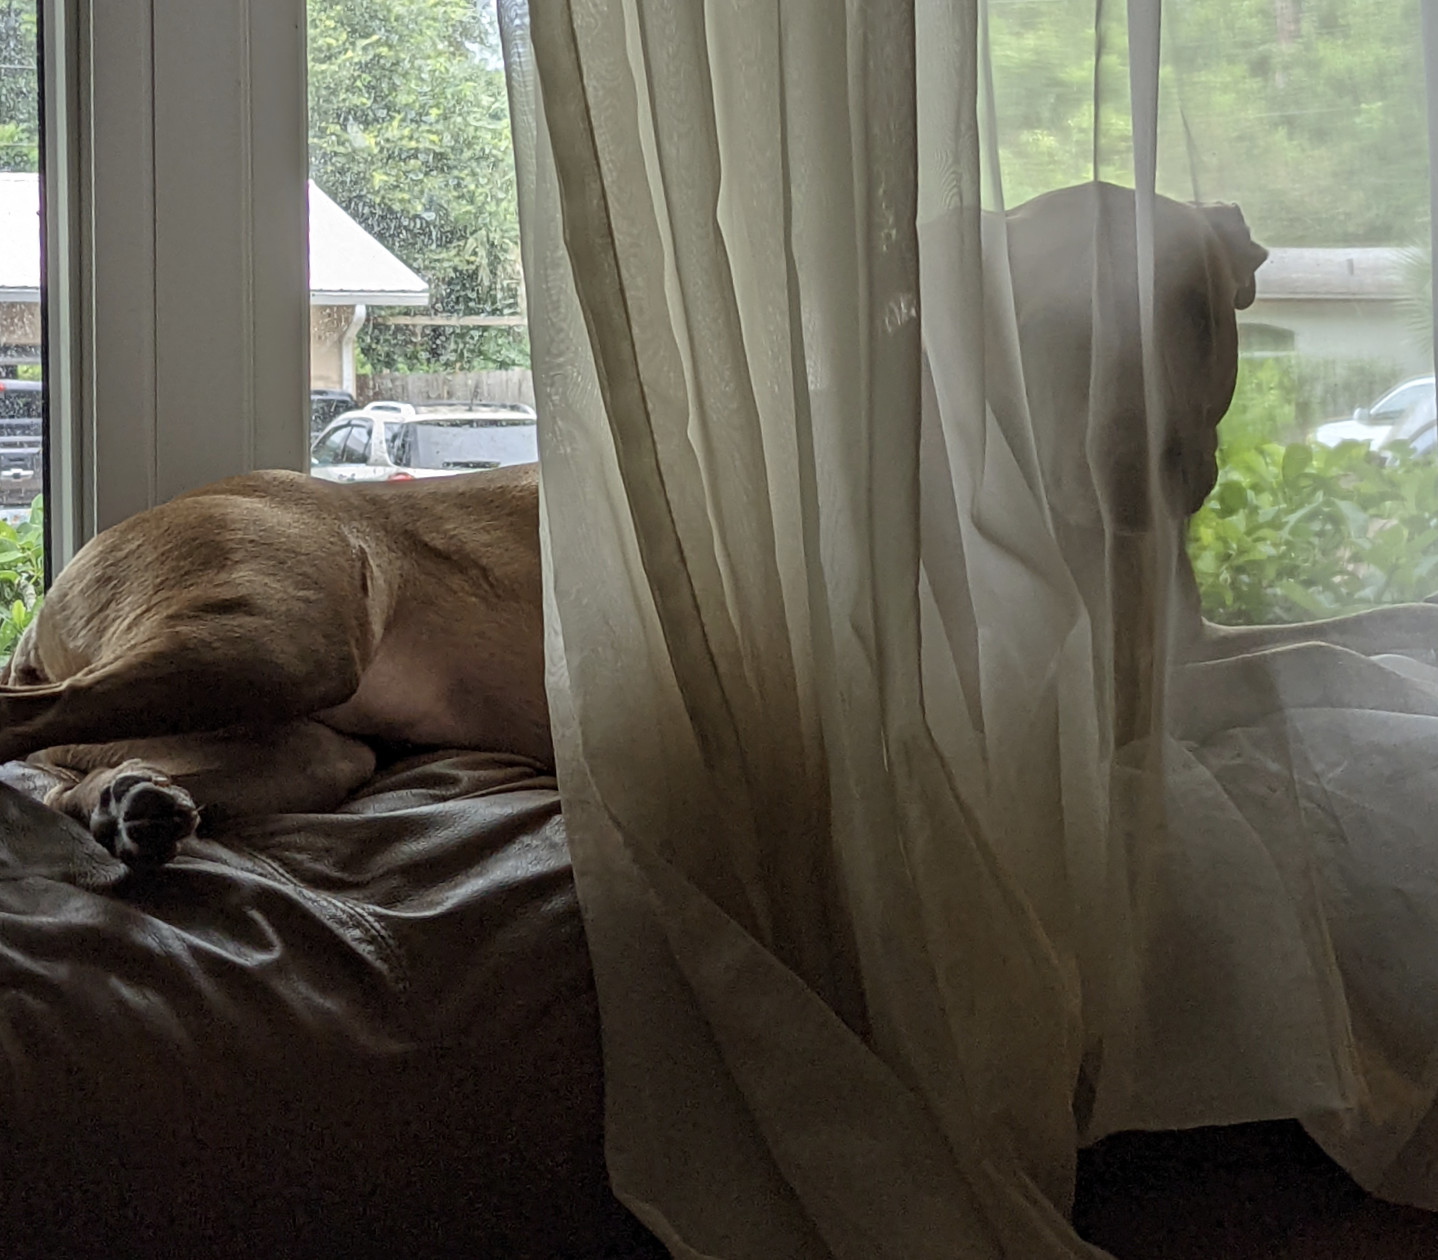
[(408, 611)]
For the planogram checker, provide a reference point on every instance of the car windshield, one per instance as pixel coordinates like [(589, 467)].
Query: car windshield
[(1417, 417), (344, 444), (427, 444), (1392, 407)]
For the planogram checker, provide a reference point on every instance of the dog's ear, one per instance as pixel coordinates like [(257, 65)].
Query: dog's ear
[(1245, 255)]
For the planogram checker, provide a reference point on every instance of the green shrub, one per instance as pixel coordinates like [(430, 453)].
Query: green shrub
[(1265, 401), (1294, 532), (22, 575)]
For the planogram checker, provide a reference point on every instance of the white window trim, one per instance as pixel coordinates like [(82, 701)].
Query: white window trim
[(176, 222)]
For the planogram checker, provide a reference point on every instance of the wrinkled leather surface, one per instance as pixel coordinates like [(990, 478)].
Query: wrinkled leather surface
[(365, 1033)]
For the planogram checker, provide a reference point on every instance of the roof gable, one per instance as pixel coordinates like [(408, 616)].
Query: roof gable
[(347, 264)]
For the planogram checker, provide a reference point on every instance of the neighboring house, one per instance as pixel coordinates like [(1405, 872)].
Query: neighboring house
[(1334, 304), (349, 271)]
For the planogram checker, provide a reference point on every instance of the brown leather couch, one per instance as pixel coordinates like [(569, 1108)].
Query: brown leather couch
[(368, 1033), (373, 1033)]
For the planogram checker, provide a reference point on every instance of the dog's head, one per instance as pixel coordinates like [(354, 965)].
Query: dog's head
[(1073, 257), (1205, 272)]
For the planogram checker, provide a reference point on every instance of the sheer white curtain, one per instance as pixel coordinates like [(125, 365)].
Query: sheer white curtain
[(901, 879)]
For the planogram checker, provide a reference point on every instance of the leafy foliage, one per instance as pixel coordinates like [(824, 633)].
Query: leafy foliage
[(1294, 532), (409, 133), (22, 575), (1266, 404), (19, 97), (1310, 113)]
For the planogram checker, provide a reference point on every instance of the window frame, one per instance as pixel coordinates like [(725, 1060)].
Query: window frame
[(176, 299)]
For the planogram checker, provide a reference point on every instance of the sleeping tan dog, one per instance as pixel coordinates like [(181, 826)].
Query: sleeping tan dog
[(293, 620)]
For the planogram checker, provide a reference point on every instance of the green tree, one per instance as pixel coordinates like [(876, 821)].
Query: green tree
[(19, 100), (409, 133), (1308, 113), (1053, 67)]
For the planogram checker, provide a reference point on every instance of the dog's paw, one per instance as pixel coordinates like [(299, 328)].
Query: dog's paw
[(142, 817)]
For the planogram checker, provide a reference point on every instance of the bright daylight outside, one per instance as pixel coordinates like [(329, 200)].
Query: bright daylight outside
[(1307, 113), (419, 354)]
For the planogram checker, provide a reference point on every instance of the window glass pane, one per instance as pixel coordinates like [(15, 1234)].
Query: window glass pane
[(1310, 116), (356, 449), (22, 398), (414, 240), (327, 451)]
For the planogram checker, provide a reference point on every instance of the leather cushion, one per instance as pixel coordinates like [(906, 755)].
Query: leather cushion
[(371, 1032)]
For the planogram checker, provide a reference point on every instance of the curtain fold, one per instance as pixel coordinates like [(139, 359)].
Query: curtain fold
[(911, 853), (768, 867)]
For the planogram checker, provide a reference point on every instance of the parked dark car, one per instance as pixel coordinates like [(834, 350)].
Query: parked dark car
[(22, 441)]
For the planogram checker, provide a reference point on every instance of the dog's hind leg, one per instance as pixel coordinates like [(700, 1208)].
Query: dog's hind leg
[(175, 684), (141, 799)]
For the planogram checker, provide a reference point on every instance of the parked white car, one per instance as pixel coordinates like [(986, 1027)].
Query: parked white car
[(1401, 407), (390, 441), (1418, 426)]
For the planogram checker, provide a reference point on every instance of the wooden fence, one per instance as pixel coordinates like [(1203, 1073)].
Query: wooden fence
[(513, 386)]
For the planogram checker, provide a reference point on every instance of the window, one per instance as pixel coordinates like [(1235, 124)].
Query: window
[(414, 243), (195, 352), (400, 441), (1423, 441), (1312, 118), (1410, 421), (1258, 340), (22, 390)]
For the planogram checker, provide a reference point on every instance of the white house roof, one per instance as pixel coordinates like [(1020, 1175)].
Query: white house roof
[(347, 264), (19, 238), (1334, 274)]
